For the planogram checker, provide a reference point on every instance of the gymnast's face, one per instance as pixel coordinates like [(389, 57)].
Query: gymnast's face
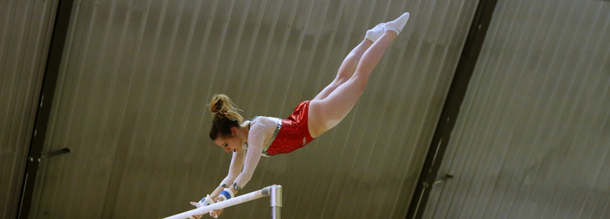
[(230, 144)]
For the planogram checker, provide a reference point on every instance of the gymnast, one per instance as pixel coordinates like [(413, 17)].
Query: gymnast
[(267, 136)]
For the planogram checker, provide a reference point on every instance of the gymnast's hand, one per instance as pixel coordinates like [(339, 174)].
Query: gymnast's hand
[(197, 205), (214, 214), (217, 213)]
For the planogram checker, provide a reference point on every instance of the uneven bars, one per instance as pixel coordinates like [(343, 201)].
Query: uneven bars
[(228, 203)]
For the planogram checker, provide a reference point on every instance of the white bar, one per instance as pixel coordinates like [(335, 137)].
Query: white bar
[(224, 204)]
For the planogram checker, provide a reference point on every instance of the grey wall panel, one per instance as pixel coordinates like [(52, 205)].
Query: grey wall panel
[(132, 100), (533, 136), (25, 33)]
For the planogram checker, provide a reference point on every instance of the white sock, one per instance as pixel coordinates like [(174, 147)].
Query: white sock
[(375, 33), (398, 24)]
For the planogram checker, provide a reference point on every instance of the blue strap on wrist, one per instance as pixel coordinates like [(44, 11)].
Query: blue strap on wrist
[(226, 194)]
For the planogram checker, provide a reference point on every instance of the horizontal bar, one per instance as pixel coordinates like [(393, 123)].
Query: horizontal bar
[(224, 204)]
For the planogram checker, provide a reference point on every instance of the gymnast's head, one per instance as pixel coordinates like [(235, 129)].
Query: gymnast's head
[(225, 118)]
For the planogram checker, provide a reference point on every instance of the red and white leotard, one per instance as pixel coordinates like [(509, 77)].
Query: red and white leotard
[(268, 136)]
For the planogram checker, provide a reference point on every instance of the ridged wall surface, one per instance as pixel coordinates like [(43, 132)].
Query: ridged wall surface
[(132, 95), (533, 136), (25, 33)]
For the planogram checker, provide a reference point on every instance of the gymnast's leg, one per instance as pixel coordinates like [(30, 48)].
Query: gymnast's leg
[(348, 67), (336, 100)]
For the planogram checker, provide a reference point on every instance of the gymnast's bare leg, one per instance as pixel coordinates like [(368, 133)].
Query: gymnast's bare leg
[(335, 101)]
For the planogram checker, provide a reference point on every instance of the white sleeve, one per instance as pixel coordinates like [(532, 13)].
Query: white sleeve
[(236, 163), (256, 138)]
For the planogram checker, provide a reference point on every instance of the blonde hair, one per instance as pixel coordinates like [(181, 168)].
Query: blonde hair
[(226, 116)]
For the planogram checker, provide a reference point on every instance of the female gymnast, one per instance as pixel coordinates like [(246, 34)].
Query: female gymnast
[(267, 136)]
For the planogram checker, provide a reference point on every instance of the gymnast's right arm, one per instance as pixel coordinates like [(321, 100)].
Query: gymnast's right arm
[(234, 170), (237, 162)]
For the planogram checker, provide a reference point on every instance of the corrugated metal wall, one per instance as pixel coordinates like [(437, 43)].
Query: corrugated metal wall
[(25, 33), (533, 136), (132, 94)]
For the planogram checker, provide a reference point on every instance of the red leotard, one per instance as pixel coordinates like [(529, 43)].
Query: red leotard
[(294, 132)]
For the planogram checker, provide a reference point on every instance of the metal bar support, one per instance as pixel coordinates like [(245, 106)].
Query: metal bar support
[(276, 201)]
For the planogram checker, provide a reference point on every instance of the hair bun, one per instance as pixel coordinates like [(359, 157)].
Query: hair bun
[(222, 107)]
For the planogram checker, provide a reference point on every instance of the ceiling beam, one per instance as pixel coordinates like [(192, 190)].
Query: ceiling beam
[(53, 62), (451, 108)]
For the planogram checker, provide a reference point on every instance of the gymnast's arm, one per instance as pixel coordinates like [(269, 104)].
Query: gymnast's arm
[(256, 138), (236, 163)]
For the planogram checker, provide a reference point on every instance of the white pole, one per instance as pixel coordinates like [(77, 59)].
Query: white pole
[(224, 204)]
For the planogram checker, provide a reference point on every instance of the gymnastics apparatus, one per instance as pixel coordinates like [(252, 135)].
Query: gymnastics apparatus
[(275, 191)]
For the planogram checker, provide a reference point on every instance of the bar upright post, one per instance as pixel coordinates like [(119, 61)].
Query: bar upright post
[(276, 201)]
